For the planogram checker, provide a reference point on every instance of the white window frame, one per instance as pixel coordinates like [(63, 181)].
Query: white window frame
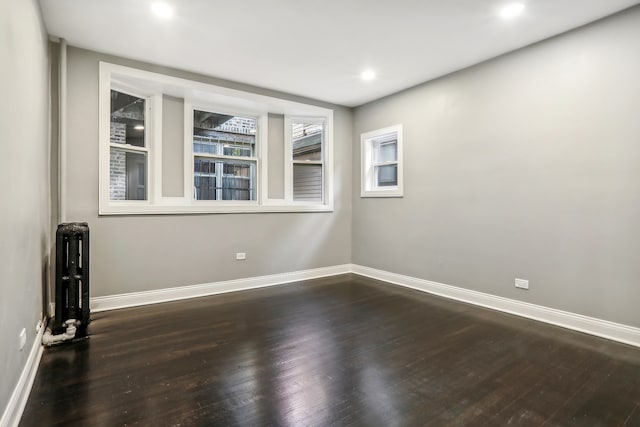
[(369, 143), (289, 161), (210, 98), (153, 150), (259, 158)]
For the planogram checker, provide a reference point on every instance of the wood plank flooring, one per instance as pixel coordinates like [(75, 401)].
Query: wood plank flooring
[(340, 351)]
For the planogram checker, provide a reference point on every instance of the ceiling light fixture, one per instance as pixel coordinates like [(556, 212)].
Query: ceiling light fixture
[(368, 75), (511, 10), (162, 10), (138, 127)]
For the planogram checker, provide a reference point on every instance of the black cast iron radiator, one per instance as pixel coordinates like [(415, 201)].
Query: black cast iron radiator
[(72, 277)]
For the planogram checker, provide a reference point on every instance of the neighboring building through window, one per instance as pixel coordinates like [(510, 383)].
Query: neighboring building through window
[(128, 149), (307, 159), (381, 152), (224, 156)]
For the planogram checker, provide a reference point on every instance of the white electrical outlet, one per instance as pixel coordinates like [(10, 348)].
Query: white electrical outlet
[(522, 284), (23, 338), (241, 255)]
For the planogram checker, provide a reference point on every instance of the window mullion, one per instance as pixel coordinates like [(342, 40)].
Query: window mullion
[(129, 147), (307, 162), (223, 157), (390, 162), (219, 176)]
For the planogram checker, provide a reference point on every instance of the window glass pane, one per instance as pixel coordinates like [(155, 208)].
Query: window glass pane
[(387, 152), (127, 119), (236, 150), (204, 187), (222, 134), (307, 182), (386, 175), (307, 141), (204, 179), (127, 175), (205, 146), (217, 179), (237, 181)]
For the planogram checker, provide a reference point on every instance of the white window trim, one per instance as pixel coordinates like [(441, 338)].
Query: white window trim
[(327, 159), (152, 134), (261, 147), (210, 98), (367, 169)]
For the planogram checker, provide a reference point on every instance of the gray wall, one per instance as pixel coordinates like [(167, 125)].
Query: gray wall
[(54, 105), (276, 156), (172, 146), (525, 166), (139, 253), (24, 173)]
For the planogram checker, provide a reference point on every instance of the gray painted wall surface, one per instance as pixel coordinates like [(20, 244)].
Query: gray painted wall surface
[(525, 166), (172, 146), (139, 253), (24, 173), (54, 67), (276, 156)]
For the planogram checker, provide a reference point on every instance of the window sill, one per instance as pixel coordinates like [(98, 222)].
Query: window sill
[(381, 193), (147, 209)]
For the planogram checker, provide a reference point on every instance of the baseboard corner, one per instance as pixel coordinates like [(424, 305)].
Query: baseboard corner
[(598, 327)]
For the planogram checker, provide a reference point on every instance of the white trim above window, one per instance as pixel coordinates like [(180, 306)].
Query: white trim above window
[(241, 161), (381, 166)]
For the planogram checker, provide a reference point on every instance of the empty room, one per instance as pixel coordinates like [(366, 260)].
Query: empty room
[(340, 213)]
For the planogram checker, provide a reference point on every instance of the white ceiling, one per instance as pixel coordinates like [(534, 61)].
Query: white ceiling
[(317, 49)]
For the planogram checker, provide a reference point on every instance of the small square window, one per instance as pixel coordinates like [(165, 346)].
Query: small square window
[(382, 162)]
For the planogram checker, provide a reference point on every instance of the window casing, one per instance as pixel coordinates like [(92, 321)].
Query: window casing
[(381, 152), (128, 147), (225, 159), (225, 166)]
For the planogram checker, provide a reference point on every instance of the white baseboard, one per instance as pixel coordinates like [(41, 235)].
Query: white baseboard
[(18, 401), (133, 299), (601, 328)]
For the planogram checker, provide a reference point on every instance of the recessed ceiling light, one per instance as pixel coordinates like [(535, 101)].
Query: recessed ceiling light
[(511, 10), (138, 127), (368, 75), (162, 10)]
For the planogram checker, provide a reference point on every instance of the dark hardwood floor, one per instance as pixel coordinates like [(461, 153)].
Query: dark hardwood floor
[(340, 351)]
